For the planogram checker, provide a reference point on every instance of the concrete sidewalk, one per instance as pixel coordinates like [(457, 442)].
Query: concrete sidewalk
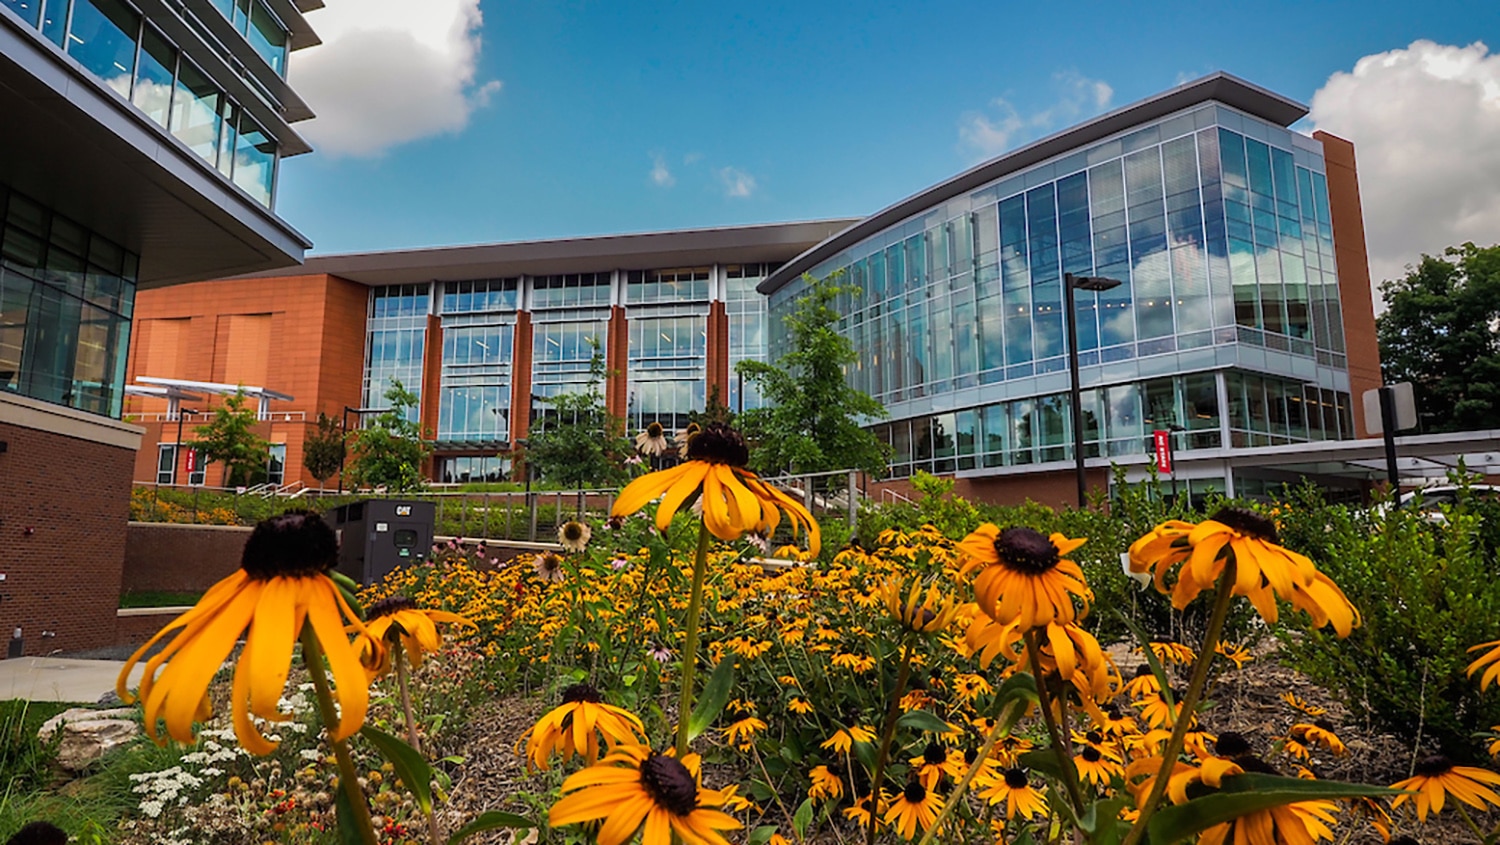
[(61, 678)]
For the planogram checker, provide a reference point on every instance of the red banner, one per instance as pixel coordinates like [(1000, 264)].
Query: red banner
[(192, 460), (1163, 450)]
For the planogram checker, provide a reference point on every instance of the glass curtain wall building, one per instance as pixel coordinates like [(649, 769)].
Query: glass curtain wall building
[(1225, 329)]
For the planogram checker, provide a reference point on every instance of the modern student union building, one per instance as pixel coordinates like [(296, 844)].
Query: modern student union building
[(1242, 323)]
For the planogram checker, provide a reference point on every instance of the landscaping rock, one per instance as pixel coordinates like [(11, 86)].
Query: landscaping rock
[(88, 734)]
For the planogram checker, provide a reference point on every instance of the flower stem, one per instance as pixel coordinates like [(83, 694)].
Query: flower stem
[(411, 730), (1470, 821), (1062, 752), (888, 733), (690, 646), (1189, 703), (955, 798), (312, 658)]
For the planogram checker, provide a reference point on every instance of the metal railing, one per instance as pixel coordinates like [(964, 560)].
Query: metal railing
[(495, 515)]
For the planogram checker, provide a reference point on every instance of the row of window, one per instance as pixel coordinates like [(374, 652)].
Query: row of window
[(1119, 420), (117, 44), (261, 27), (167, 465), (66, 295)]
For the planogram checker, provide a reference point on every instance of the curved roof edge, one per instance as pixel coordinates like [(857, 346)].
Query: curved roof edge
[(1223, 87)]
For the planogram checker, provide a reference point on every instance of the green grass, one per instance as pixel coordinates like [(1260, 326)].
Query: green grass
[(158, 598)]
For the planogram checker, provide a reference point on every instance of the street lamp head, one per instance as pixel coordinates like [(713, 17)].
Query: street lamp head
[(1092, 283)]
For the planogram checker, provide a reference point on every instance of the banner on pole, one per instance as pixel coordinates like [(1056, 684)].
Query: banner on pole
[(1163, 444)]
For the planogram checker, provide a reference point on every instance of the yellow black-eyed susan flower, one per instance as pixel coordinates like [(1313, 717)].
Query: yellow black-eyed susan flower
[(634, 788), (1490, 659), (913, 807), (843, 739), (1096, 767), (826, 784), (859, 811), (735, 500), (581, 726), (935, 761), (1437, 777), (282, 584), (1237, 654), (741, 733), (1020, 797), (1303, 822), (916, 611), (1026, 578), (398, 622), (1169, 653), (652, 440), (1319, 732), (574, 536), (799, 705)]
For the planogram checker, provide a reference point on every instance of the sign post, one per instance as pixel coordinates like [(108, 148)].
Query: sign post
[(1388, 409)]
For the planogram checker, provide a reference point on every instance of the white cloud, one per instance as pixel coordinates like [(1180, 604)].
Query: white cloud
[(389, 72), (1425, 123), (737, 183), (661, 176), (987, 134)]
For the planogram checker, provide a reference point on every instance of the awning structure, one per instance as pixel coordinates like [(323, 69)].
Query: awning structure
[(174, 390)]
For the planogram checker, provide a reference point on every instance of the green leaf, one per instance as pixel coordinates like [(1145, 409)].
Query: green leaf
[(1041, 760), (714, 697), (923, 721), (761, 835), (410, 766), (802, 818), (348, 831), (1248, 793), (1102, 823), (490, 820)]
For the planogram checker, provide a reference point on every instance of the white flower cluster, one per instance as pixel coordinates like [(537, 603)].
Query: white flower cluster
[(164, 788)]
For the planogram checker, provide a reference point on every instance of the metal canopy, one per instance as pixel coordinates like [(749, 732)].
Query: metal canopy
[(262, 395)]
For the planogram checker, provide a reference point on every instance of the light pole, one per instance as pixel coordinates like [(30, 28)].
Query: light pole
[(1095, 284), (177, 450), (1172, 430)]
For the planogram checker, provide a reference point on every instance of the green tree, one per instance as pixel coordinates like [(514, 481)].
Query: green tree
[(323, 451), (578, 444), (1439, 332), (810, 422), (389, 452), (230, 439)]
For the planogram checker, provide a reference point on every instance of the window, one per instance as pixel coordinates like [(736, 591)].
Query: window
[(198, 468), (29, 10), (268, 37), (102, 39), (166, 463), (153, 77), (570, 290), (254, 161), (684, 285), (276, 464), (196, 112)]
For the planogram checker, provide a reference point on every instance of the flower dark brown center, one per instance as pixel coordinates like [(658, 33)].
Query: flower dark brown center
[(1434, 766), (1026, 550), (386, 607), (1251, 763), (1325, 725), (934, 754), (1091, 754), (1015, 778), (1247, 522), (718, 444), (581, 692), (296, 544), (654, 430), (914, 793), (670, 784), (572, 531), (970, 755), (1231, 744), (1094, 737)]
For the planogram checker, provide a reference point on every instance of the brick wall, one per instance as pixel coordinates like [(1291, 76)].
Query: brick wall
[(180, 558), (64, 503)]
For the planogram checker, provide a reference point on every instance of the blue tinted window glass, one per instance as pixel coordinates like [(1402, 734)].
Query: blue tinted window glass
[(29, 10), (102, 39)]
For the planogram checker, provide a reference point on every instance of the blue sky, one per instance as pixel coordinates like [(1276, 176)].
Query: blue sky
[(584, 118)]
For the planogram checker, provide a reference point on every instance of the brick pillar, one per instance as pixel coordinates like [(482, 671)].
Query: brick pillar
[(432, 384), (718, 352), (616, 358), (520, 378), (1353, 262)]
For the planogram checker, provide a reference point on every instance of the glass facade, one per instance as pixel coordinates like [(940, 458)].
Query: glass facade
[(66, 296), (122, 48), (668, 349), (396, 335), (746, 310), (1215, 222)]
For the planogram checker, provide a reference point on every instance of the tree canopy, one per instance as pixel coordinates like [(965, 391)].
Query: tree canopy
[(323, 450), (1439, 332), (230, 439), (577, 444), (389, 453), (811, 419)]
